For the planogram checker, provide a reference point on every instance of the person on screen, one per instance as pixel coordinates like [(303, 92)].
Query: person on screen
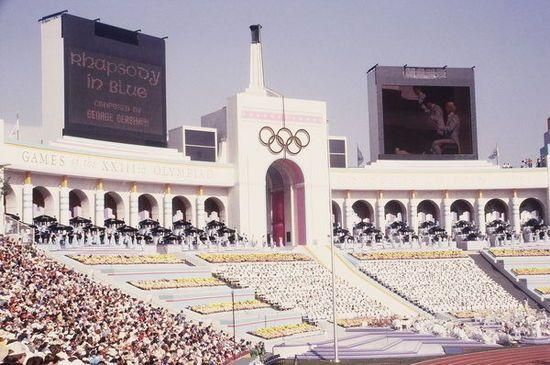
[(450, 131), (436, 114)]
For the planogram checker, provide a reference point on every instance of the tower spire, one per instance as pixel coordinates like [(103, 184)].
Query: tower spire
[(257, 84)]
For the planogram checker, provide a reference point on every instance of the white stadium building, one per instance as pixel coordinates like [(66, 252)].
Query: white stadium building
[(268, 172)]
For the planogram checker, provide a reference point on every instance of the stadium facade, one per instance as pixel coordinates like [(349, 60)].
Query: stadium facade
[(269, 177)]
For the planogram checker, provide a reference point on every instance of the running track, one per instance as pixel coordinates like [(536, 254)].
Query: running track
[(538, 355)]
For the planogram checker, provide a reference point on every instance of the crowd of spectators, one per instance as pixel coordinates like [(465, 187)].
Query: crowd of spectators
[(304, 286), (50, 313)]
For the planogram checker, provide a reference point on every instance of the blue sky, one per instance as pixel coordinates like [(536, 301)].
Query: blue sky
[(314, 49)]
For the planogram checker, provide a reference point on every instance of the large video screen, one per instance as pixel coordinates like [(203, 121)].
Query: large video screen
[(115, 86), (426, 120)]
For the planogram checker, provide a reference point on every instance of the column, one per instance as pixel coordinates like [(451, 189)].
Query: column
[(64, 207), (380, 216), (413, 212), (134, 208), (201, 214), (447, 216), (480, 205), (348, 213), (168, 206), (99, 204), (516, 220), (27, 199)]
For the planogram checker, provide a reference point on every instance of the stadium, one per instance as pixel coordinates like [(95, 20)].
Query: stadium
[(249, 239)]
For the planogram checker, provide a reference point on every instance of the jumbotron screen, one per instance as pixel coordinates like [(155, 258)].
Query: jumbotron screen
[(426, 120), (115, 85)]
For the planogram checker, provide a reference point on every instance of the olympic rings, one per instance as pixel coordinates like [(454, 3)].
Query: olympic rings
[(284, 139)]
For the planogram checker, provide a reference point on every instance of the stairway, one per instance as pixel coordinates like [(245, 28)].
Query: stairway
[(500, 279)]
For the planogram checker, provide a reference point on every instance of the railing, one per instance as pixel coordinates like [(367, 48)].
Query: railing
[(13, 226)]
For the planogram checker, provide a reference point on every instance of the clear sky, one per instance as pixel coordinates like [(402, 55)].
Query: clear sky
[(314, 49)]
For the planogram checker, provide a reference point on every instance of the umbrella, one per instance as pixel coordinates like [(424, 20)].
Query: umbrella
[(496, 223), (79, 220), (148, 223), (113, 222), (467, 229), (435, 230), (214, 224), (533, 222), (192, 230), (92, 227), (170, 238), (126, 229), (405, 229), (181, 223), (397, 224), (461, 224), (58, 227), (225, 230), (160, 229), (426, 224), (44, 219), (472, 237), (363, 225)]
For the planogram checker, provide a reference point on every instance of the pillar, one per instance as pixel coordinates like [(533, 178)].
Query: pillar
[(413, 212), (168, 206), (347, 213), (380, 216), (447, 216), (27, 199), (516, 219), (99, 204), (134, 208), (201, 214), (480, 205), (64, 207)]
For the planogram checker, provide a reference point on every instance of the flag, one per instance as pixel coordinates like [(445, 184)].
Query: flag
[(494, 154), (360, 158), (15, 130)]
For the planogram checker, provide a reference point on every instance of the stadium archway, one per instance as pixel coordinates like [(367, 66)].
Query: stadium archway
[(462, 210), (42, 202), (148, 207), (496, 209), (531, 208), (363, 210), (394, 210), (427, 211), (78, 204), (10, 200), (181, 208), (285, 202), (215, 210), (336, 213), (113, 206)]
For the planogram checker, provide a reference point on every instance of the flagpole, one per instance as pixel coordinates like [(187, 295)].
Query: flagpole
[(333, 273), (498, 153)]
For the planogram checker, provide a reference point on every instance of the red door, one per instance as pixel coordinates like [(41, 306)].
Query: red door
[(278, 216)]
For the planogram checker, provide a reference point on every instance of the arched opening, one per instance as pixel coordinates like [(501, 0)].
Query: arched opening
[(461, 210), (78, 204), (215, 210), (336, 214), (427, 211), (10, 200), (148, 207), (363, 210), (42, 202), (113, 206), (181, 208), (496, 209), (530, 208), (285, 202), (394, 210)]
